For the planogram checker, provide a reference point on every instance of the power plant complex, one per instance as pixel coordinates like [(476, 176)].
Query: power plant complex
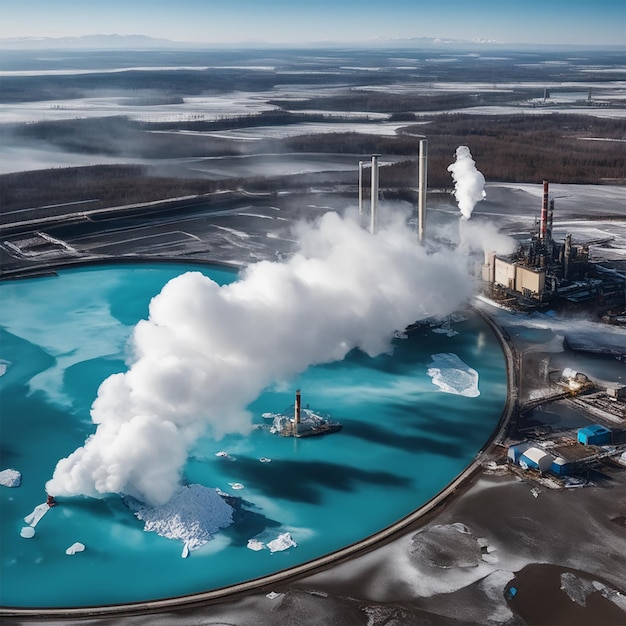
[(541, 273), (544, 272)]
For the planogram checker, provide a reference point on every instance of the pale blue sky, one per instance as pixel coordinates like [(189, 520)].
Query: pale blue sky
[(297, 21)]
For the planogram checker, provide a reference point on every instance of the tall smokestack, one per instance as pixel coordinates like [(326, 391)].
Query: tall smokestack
[(550, 222), (421, 189), (360, 187), (374, 202), (297, 408), (544, 213)]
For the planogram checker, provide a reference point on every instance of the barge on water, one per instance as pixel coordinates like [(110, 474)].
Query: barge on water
[(304, 423)]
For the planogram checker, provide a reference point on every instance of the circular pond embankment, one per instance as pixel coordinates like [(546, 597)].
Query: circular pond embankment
[(402, 443)]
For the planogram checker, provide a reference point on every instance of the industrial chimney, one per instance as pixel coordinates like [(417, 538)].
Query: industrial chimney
[(421, 190), (360, 187), (374, 200), (544, 214), (297, 409)]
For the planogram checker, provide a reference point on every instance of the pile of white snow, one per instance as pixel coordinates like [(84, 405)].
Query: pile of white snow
[(192, 515), (10, 478), (451, 375)]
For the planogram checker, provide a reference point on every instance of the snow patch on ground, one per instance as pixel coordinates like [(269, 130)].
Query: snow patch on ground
[(451, 375), (192, 515)]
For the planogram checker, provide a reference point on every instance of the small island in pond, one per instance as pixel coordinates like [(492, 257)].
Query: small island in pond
[(304, 423)]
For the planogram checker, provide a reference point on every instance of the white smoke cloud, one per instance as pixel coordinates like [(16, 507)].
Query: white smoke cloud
[(469, 183), (207, 351)]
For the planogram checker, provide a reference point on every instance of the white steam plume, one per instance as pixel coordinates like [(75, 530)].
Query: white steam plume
[(469, 183), (207, 351)]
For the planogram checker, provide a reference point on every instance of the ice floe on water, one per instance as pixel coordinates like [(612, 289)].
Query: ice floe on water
[(32, 519), (283, 541), (3, 367), (28, 532), (193, 515), (10, 478), (75, 548), (452, 375)]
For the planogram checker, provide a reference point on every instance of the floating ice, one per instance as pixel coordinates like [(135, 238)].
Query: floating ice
[(3, 367), (27, 532), (10, 478), (185, 552), (75, 547), (236, 485), (451, 375), (282, 542), (192, 515), (255, 544), (265, 459), (38, 512)]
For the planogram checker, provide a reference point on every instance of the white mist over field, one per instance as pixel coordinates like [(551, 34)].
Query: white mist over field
[(207, 351), (469, 183)]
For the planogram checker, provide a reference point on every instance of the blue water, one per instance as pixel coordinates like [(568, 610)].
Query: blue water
[(403, 440)]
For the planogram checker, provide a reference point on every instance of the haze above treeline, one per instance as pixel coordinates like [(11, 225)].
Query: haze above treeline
[(144, 42)]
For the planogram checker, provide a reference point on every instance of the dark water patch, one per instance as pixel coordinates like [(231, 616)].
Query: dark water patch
[(550, 595), (385, 436), (305, 481)]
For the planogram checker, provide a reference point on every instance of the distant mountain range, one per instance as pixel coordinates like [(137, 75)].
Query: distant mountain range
[(143, 42), (105, 42)]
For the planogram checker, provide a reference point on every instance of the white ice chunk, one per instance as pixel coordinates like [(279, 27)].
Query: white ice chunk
[(27, 532), (236, 485), (255, 544), (75, 547), (38, 512), (451, 375), (282, 542), (192, 515), (185, 552), (10, 478)]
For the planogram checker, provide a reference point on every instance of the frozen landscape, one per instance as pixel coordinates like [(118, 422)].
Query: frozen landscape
[(457, 566)]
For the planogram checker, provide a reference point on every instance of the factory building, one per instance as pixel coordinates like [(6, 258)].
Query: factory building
[(544, 271), (595, 435)]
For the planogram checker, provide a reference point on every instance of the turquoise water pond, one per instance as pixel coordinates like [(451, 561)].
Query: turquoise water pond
[(402, 441)]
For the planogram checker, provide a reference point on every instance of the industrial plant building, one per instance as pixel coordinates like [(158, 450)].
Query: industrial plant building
[(545, 272)]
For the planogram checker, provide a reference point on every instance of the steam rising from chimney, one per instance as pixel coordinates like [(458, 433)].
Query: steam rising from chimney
[(469, 183), (207, 351)]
